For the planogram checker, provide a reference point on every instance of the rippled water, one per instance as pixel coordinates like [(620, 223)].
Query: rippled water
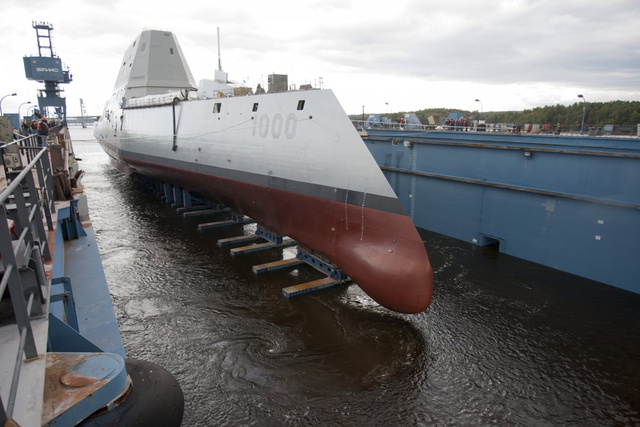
[(504, 342)]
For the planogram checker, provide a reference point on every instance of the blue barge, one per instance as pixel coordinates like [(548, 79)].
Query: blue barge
[(62, 359), (566, 202)]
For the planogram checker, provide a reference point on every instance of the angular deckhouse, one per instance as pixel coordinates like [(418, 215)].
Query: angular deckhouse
[(291, 160)]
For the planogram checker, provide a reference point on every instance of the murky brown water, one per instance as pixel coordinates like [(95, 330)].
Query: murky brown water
[(505, 341)]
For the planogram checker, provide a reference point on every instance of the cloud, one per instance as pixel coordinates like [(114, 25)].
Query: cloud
[(411, 54)]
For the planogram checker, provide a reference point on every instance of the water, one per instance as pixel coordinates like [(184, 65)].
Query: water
[(504, 342)]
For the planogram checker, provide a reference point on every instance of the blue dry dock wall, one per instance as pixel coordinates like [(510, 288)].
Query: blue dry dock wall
[(570, 204)]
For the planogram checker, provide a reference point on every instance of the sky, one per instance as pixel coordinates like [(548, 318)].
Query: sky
[(377, 56)]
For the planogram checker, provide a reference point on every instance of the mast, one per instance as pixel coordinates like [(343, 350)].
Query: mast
[(219, 60)]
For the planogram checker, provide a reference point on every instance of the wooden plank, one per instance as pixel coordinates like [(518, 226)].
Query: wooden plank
[(238, 239), (227, 223), (276, 265), (262, 246), (193, 208), (312, 286), (203, 212)]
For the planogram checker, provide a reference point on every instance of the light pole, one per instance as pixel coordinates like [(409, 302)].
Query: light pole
[(477, 100), (1, 99), (19, 116), (584, 112)]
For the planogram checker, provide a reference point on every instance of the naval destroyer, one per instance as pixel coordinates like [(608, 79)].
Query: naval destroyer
[(290, 160)]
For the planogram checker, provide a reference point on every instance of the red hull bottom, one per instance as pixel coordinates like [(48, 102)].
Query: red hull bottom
[(382, 252)]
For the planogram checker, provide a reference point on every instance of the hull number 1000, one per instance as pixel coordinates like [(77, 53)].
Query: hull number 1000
[(276, 126)]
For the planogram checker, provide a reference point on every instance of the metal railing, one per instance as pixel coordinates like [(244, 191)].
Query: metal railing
[(23, 244), (571, 129)]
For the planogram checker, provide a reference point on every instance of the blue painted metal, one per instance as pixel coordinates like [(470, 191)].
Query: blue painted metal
[(178, 197), (571, 203), (321, 264), (187, 199), (107, 370), (62, 304), (96, 317), (267, 235), (168, 193), (63, 338), (68, 222)]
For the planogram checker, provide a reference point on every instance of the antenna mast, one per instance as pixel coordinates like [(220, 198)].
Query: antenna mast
[(219, 61)]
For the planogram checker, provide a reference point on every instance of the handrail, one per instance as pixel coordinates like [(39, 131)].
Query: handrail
[(17, 181), (31, 242), (630, 131)]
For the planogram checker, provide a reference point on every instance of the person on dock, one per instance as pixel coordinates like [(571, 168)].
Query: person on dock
[(43, 131), (558, 130)]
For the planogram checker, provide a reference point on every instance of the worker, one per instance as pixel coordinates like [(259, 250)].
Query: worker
[(43, 131)]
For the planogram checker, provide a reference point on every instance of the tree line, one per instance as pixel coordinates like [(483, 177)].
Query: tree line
[(598, 114)]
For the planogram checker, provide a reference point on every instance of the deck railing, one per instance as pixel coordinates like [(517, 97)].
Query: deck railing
[(574, 129), (23, 244)]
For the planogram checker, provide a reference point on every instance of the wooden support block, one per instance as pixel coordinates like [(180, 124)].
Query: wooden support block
[(227, 223), (262, 246), (201, 212), (307, 287), (238, 239), (276, 265), (184, 209)]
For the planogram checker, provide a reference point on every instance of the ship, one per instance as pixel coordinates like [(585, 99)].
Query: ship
[(289, 159)]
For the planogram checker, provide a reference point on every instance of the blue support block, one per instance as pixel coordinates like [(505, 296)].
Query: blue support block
[(320, 264), (272, 237), (178, 200), (168, 193)]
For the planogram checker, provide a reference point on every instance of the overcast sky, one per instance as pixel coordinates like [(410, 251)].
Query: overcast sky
[(387, 56)]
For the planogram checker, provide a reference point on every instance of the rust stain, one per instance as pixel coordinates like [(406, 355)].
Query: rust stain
[(74, 380), (63, 390)]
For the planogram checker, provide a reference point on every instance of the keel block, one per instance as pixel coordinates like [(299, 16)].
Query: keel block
[(314, 285)]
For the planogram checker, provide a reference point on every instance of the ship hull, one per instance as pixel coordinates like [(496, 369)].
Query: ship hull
[(381, 251), (322, 189)]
